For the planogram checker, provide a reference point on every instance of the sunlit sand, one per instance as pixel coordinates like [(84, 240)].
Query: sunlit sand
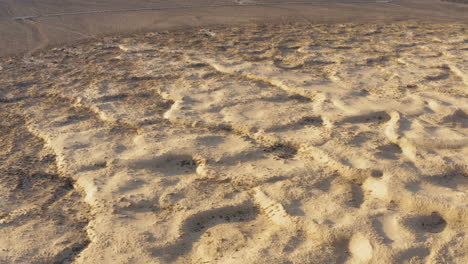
[(260, 143)]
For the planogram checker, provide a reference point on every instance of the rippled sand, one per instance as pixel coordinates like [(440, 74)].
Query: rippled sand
[(288, 143)]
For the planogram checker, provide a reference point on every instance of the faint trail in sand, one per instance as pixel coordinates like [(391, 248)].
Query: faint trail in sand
[(35, 34)]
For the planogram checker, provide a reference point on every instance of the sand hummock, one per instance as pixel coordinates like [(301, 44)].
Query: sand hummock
[(260, 143)]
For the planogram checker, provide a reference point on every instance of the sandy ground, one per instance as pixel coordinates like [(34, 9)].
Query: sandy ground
[(261, 143), (26, 26)]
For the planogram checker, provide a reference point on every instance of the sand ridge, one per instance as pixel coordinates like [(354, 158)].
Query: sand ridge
[(283, 143)]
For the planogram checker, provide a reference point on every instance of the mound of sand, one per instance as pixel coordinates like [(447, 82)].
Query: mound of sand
[(292, 143)]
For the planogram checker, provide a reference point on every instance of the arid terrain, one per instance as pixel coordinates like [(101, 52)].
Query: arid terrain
[(261, 143), (28, 26)]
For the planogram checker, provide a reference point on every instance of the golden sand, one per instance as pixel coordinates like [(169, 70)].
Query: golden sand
[(288, 143)]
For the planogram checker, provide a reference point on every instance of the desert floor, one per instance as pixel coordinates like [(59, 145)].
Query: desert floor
[(27, 26), (260, 143)]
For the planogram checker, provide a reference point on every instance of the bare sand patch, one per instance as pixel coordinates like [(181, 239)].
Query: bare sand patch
[(26, 26)]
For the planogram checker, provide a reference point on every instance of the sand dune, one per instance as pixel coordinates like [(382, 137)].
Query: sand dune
[(268, 143)]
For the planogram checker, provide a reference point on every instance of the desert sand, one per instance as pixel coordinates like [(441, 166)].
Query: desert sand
[(260, 143), (27, 26)]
